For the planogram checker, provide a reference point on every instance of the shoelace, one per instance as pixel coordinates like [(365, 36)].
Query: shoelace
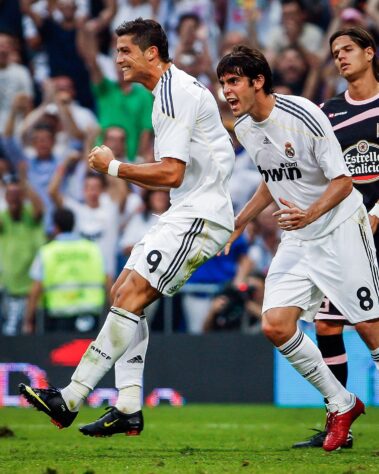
[(108, 409), (319, 433), (50, 390)]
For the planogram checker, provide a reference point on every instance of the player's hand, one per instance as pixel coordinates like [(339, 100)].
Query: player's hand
[(374, 223), (234, 236), (99, 158), (292, 218)]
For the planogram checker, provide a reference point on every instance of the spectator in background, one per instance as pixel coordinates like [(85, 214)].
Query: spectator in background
[(40, 167), (120, 104), (21, 235), (263, 238), (14, 78), (245, 178), (72, 122), (191, 52), (155, 204), (21, 106), (68, 272), (294, 31), (97, 217), (237, 308), (98, 18), (58, 39), (130, 9), (115, 139), (292, 70), (169, 13), (218, 271), (10, 18)]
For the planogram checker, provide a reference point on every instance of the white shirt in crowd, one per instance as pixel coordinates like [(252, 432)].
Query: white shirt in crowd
[(99, 225), (14, 79)]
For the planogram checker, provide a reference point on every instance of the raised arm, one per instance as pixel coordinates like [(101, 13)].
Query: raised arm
[(87, 44), (58, 176), (31, 307), (26, 8)]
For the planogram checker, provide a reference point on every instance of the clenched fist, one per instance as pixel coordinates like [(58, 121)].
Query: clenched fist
[(99, 158)]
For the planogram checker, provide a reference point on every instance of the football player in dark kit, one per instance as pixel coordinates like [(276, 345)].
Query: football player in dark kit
[(354, 116)]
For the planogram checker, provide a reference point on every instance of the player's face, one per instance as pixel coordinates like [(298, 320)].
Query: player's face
[(351, 60), (131, 60), (239, 93)]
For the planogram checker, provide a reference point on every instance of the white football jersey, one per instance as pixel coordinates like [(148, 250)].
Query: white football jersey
[(297, 154), (188, 127)]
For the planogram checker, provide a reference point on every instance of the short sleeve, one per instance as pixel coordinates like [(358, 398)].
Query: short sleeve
[(328, 151)]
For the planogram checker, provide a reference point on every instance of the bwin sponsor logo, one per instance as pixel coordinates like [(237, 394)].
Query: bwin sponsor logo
[(103, 354), (288, 171)]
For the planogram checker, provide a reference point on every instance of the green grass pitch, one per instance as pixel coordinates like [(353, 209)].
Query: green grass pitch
[(199, 439)]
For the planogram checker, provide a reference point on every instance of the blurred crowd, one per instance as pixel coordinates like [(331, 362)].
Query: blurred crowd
[(60, 94)]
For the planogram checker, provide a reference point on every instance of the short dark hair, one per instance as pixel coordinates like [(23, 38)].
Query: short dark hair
[(363, 39), (185, 17), (64, 219), (43, 127), (99, 176), (146, 33), (244, 61), (300, 3)]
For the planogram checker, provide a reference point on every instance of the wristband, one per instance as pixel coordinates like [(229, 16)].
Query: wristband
[(113, 167), (375, 210)]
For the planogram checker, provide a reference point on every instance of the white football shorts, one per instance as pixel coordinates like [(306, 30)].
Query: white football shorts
[(341, 265), (173, 249)]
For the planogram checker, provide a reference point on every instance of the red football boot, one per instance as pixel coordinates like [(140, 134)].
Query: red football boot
[(338, 426)]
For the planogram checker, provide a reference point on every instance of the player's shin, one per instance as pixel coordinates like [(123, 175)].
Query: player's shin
[(129, 371), (112, 341), (334, 354), (306, 358)]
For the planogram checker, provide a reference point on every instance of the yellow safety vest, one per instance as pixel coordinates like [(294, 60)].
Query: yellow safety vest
[(73, 278)]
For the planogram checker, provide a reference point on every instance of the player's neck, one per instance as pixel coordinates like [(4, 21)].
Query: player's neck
[(363, 88), (262, 107), (156, 72)]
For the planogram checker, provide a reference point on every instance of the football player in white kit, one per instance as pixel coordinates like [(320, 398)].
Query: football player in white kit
[(194, 159), (327, 245)]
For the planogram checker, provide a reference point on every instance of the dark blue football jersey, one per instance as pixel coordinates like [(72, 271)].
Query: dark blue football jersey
[(356, 125)]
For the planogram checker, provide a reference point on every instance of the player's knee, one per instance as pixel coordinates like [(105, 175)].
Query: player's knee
[(369, 332), (274, 328)]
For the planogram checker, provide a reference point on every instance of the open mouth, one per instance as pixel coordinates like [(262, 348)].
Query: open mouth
[(233, 103)]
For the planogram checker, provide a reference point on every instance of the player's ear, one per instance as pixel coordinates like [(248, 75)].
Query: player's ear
[(370, 53), (151, 53), (258, 82)]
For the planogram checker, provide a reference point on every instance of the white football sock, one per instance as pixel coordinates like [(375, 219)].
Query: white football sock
[(129, 371), (111, 342), (375, 357), (306, 358), (129, 399)]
